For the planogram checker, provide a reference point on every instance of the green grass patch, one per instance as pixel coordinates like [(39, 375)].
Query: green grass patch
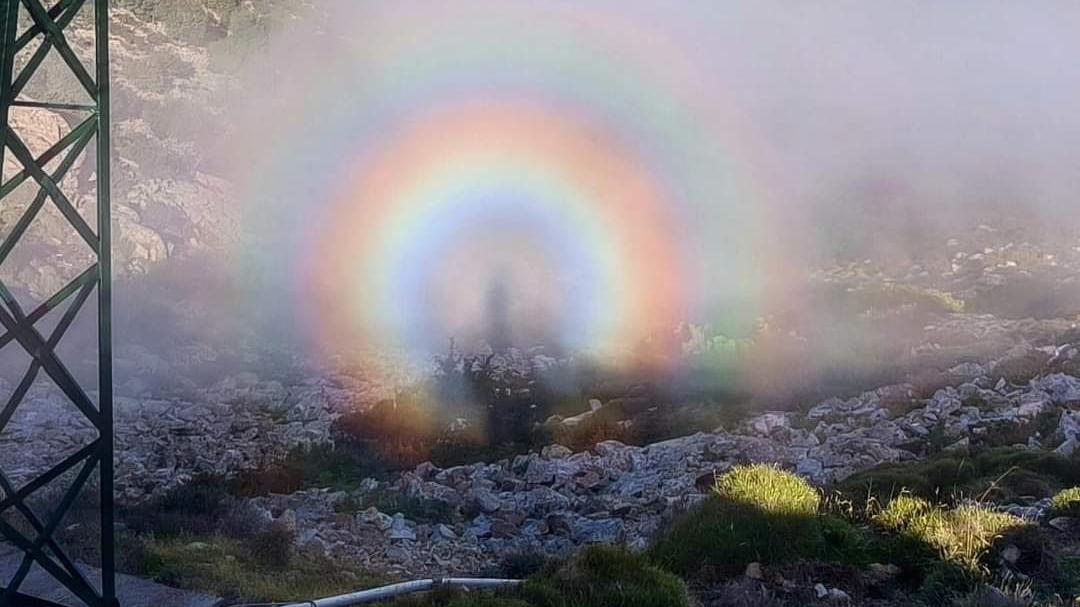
[(962, 536), (600, 576), (240, 570), (197, 536), (608, 576), (756, 513), (414, 508), (769, 489), (874, 300), (1066, 503), (340, 467), (995, 474)]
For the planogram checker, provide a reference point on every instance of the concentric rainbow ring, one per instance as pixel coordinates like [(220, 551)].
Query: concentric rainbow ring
[(427, 156)]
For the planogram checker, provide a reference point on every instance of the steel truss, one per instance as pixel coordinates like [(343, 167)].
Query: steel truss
[(43, 23)]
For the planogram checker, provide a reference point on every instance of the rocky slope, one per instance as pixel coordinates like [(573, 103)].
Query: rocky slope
[(166, 201), (554, 500), (995, 363)]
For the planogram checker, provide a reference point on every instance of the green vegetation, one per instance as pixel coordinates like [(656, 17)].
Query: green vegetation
[(608, 576), (757, 513), (197, 536), (769, 489), (764, 515), (898, 296), (601, 576), (414, 508), (962, 536), (1066, 503), (237, 569), (340, 467), (505, 417), (1021, 369), (206, 539), (992, 474), (760, 514)]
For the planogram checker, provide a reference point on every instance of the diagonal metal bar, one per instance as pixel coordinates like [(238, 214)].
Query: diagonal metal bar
[(31, 374), (54, 339), (45, 532), (56, 34), (34, 29), (32, 341), (22, 153), (34, 207), (53, 151), (47, 477), (84, 592), (15, 325), (41, 52), (89, 275)]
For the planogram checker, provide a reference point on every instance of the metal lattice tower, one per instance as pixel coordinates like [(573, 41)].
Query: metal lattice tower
[(39, 27)]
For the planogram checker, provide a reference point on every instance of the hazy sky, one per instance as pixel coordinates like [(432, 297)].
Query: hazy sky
[(945, 96), (848, 116)]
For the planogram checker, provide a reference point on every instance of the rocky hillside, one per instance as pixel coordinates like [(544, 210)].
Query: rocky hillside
[(552, 502), (167, 200), (949, 371)]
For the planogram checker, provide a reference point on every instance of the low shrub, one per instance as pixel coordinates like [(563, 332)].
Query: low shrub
[(341, 466), (756, 513), (1008, 432), (1066, 503), (609, 577), (845, 542), (591, 432), (414, 508), (274, 545), (769, 489), (905, 297), (990, 596), (238, 570), (599, 576), (1020, 370), (454, 451), (927, 381), (997, 473), (400, 432), (522, 565), (196, 508), (1069, 571), (962, 536)]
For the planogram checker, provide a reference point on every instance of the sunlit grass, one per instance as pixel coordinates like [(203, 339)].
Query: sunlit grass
[(1066, 503), (769, 489), (963, 535), (756, 513)]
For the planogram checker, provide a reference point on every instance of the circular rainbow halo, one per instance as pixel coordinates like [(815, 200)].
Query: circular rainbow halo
[(498, 222), (500, 172)]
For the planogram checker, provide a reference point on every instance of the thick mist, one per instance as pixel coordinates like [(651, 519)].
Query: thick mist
[(739, 150), (851, 128)]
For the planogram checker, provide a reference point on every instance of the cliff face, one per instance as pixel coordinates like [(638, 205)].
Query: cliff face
[(171, 70)]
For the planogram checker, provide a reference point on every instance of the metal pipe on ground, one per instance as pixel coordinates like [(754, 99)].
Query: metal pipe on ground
[(385, 593)]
